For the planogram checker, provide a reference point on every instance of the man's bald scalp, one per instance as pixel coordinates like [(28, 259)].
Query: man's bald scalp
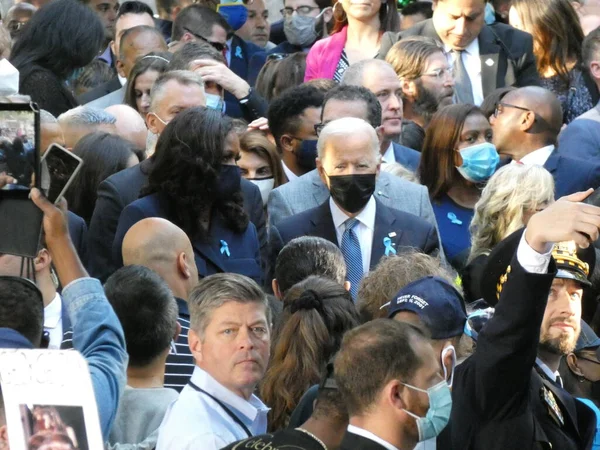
[(542, 102)]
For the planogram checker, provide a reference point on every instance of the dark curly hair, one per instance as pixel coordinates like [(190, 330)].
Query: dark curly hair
[(185, 170)]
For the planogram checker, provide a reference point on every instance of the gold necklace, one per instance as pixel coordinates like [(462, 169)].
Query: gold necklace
[(312, 436)]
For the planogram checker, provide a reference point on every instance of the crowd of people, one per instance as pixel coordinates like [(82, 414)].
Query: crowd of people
[(314, 224)]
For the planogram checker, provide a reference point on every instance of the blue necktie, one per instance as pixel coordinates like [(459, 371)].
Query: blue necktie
[(352, 256)]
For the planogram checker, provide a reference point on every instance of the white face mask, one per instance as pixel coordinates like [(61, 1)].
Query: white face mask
[(265, 185), (9, 78), (447, 350), (151, 140)]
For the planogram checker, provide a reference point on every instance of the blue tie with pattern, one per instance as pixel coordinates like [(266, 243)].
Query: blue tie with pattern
[(352, 256)]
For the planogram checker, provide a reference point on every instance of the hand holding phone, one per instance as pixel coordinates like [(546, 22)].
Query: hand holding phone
[(59, 169)]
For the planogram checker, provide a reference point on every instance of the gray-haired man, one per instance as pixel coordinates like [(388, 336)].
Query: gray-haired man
[(230, 335)]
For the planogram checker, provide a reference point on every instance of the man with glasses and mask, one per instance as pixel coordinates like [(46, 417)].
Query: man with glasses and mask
[(200, 23), (304, 23), (427, 84), (483, 57), (292, 119), (365, 230), (526, 125), (389, 377)]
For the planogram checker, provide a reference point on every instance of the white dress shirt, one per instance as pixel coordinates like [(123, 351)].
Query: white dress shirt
[(196, 421), (364, 229), (122, 80), (291, 176), (367, 434), (389, 157), (472, 62), (539, 156), (53, 322)]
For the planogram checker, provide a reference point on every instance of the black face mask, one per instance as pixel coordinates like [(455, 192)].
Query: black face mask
[(229, 181), (306, 155), (352, 192)]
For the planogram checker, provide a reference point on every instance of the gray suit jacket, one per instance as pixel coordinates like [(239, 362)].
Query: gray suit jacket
[(308, 192), (114, 98)]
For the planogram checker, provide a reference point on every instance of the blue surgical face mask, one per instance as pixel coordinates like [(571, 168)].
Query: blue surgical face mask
[(235, 13), (438, 415), (479, 162), (490, 14), (215, 102)]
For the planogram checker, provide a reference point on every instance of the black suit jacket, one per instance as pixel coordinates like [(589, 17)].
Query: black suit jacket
[(410, 231), (123, 188), (78, 232), (497, 393), (506, 54), (241, 54), (571, 174), (100, 91), (353, 441)]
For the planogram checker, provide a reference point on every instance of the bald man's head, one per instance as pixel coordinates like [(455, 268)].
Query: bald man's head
[(165, 248), (526, 120), (130, 124), (542, 102)]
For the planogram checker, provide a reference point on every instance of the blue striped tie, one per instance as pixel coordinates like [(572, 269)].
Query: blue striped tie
[(352, 256)]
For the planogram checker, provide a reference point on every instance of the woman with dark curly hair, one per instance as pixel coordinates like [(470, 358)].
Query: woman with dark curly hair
[(195, 183)]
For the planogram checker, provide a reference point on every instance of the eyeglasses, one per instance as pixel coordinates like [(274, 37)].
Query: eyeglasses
[(440, 74), (301, 10), (216, 45), (500, 108), (587, 359), (276, 56), (14, 25), (319, 127)]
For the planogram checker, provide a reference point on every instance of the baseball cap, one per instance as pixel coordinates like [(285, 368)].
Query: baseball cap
[(437, 303), (588, 339)]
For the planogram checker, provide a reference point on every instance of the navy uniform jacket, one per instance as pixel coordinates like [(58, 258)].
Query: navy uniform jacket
[(571, 174), (244, 248), (122, 188), (497, 393), (411, 231)]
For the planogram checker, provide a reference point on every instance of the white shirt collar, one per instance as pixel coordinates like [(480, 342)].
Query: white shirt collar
[(367, 434), (122, 80), (250, 409), (366, 216), (552, 375), (389, 157), (288, 173), (53, 312), (539, 156)]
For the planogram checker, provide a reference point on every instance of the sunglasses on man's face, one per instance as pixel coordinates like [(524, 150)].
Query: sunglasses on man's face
[(216, 45)]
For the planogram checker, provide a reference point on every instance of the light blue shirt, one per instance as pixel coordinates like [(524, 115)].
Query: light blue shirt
[(195, 421)]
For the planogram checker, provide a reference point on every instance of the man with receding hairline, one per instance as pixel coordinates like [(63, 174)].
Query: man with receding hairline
[(165, 248), (526, 126), (348, 163), (129, 125)]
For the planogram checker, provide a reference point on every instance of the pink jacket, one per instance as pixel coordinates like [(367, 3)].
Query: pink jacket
[(323, 57)]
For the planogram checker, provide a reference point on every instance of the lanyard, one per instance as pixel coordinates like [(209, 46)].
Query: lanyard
[(229, 412)]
